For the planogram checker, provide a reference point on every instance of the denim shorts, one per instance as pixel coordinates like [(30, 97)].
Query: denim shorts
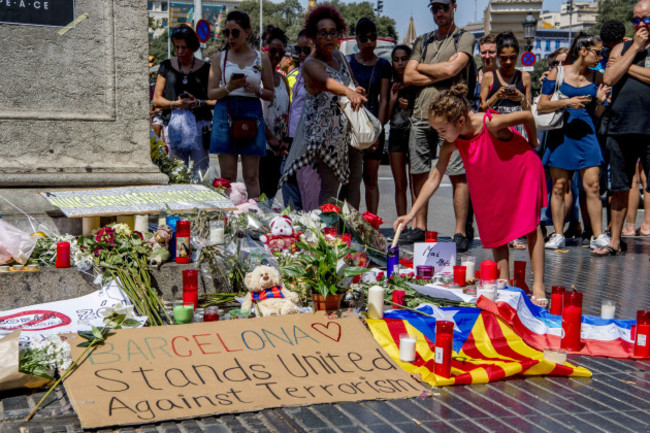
[(240, 107)]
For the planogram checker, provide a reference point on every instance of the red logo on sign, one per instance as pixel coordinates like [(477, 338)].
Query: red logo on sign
[(34, 320)]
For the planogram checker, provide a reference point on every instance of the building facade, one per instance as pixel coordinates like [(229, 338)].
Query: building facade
[(162, 11)]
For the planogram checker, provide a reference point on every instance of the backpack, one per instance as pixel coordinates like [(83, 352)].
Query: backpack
[(470, 72)]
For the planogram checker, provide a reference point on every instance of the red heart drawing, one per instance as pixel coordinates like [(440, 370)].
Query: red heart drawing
[(322, 325)]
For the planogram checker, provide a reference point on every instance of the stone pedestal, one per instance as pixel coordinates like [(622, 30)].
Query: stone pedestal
[(74, 108)]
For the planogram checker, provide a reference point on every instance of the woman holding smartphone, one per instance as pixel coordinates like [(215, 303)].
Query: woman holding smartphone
[(507, 89), (240, 77)]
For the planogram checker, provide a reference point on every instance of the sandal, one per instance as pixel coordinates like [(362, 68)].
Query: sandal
[(609, 251), (519, 244), (540, 302)]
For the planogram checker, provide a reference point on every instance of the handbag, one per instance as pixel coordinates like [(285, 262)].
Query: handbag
[(182, 132), (365, 128), (554, 119), (242, 130)]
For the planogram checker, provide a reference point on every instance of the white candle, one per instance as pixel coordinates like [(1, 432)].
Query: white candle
[(142, 223), (376, 302), (489, 292), (501, 284), (608, 310), (406, 348), (469, 268), (556, 356), (217, 236)]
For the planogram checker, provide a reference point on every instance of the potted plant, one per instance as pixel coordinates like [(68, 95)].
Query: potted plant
[(320, 265)]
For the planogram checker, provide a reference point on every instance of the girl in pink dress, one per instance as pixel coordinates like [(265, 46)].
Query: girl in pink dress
[(504, 174)]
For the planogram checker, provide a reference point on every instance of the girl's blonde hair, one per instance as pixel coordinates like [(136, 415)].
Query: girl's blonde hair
[(451, 104)]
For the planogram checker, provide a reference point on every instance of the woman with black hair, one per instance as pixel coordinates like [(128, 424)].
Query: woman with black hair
[(373, 74), (240, 78), (575, 146), (182, 84), (323, 136)]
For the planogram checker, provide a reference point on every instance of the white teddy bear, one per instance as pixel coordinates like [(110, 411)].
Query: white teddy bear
[(282, 236), (266, 292)]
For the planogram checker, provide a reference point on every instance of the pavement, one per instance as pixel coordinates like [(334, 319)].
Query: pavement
[(616, 398)]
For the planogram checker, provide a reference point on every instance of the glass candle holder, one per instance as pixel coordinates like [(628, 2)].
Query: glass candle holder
[(63, 255), (641, 340), (183, 241), (407, 348), (392, 263), (211, 314), (198, 315), (430, 236), (217, 232), (443, 347), (191, 286), (557, 296), (425, 271), (183, 312), (329, 232), (557, 356), (490, 292), (489, 271), (171, 221), (459, 275), (608, 309), (571, 320), (470, 266), (398, 298)]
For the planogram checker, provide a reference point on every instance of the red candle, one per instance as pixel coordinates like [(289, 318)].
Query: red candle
[(557, 293), (520, 276), (642, 338), (430, 236), (444, 343), (183, 241), (572, 321), (191, 287), (459, 275), (329, 232), (211, 314), (398, 298), (347, 238), (489, 271), (63, 255)]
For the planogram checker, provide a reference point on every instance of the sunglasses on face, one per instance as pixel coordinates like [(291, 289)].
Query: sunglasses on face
[(365, 38), (275, 52), (436, 7), (234, 32), (598, 53), (636, 20), (325, 35), (303, 50)]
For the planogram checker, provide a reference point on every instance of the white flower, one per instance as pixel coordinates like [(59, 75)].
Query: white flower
[(122, 228)]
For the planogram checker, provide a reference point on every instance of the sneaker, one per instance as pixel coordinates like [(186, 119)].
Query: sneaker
[(411, 235), (599, 242), (555, 242), (462, 243)]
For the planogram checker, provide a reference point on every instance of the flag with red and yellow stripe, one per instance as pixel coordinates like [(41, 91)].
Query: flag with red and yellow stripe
[(485, 347)]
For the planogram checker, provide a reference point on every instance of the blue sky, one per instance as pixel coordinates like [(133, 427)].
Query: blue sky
[(402, 10)]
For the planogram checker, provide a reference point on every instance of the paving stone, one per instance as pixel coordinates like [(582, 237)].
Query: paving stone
[(362, 414), (306, 417), (333, 415)]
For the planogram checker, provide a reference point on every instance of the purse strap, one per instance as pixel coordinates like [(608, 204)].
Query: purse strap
[(223, 71), (559, 80)]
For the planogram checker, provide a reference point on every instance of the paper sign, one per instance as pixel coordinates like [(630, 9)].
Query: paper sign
[(61, 316), (440, 255), (137, 200), (54, 13), (148, 375)]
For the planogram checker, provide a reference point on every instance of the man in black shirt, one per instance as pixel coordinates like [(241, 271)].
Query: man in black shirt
[(628, 136)]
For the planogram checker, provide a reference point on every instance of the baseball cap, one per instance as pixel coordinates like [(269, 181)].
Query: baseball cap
[(444, 2)]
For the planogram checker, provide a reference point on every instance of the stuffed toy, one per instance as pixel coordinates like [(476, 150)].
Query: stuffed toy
[(239, 197), (160, 245), (266, 292), (282, 236)]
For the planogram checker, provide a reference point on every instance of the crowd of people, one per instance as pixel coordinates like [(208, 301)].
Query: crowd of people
[(279, 111)]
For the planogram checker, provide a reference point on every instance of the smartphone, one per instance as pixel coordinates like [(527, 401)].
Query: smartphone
[(185, 96), (237, 76), (509, 87)]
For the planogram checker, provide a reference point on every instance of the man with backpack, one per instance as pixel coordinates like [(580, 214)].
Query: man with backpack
[(439, 60)]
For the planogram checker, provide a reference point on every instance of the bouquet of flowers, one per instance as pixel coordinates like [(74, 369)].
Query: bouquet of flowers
[(45, 357)]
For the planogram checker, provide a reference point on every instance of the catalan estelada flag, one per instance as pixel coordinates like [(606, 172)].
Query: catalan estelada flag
[(485, 347)]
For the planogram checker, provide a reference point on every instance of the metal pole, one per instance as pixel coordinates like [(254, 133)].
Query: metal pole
[(198, 14), (570, 7), (169, 29), (261, 24)]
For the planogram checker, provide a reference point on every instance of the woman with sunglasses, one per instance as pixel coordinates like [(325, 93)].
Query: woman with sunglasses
[(373, 74), (322, 136), (276, 117), (240, 78), (575, 146), (182, 84)]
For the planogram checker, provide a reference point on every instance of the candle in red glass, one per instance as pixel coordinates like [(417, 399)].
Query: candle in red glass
[(459, 275), (63, 255), (430, 236), (489, 271), (477, 275), (191, 287), (425, 271), (557, 293), (211, 314), (444, 343), (183, 241), (519, 279), (329, 232), (398, 298), (642, 338), (347, 238), (571, 320)]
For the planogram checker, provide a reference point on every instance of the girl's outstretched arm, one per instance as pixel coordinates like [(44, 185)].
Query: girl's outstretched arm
[(499, 123)]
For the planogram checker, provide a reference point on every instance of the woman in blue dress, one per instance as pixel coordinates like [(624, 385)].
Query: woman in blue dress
[(575, 146)]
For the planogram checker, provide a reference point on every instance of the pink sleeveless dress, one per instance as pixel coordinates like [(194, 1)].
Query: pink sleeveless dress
[(506, 183)]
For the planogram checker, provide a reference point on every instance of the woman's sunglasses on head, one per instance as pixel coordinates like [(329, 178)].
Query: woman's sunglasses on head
[(235, 33), (636, 20)]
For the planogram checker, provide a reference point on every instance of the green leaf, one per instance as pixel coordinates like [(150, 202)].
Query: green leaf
[(353, 271), (87, 335), (130, 323), (97, 333), (329, 218), (84, 344)]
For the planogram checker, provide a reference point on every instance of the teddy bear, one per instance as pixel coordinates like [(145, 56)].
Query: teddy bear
[(266, 293), (282, 236), (239, 197), (160, 245)]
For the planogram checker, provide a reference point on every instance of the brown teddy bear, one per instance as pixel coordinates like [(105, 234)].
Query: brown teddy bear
[(266, 292)]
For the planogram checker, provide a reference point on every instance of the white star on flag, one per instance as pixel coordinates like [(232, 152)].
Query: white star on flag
[(441, 314)]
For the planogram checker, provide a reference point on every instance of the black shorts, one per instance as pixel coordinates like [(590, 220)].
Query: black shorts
[(398, 140), (623, 152)]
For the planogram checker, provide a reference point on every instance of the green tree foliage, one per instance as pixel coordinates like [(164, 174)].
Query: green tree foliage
[(158, 47), (615, 9), (353, 12), (288, 15)]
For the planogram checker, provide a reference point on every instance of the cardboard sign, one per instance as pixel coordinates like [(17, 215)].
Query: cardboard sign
[(137, 200), (440, 255), (148, 375), (54, 13)]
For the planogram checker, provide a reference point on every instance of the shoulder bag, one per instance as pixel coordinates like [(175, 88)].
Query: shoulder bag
[(554, 119), (365, 128)]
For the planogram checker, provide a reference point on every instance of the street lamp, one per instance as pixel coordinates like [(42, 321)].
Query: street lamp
[(529, 24)]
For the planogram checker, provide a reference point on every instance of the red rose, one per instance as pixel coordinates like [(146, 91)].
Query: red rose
[(221, 183), (327, 208), (380, 276), (373, 219)]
